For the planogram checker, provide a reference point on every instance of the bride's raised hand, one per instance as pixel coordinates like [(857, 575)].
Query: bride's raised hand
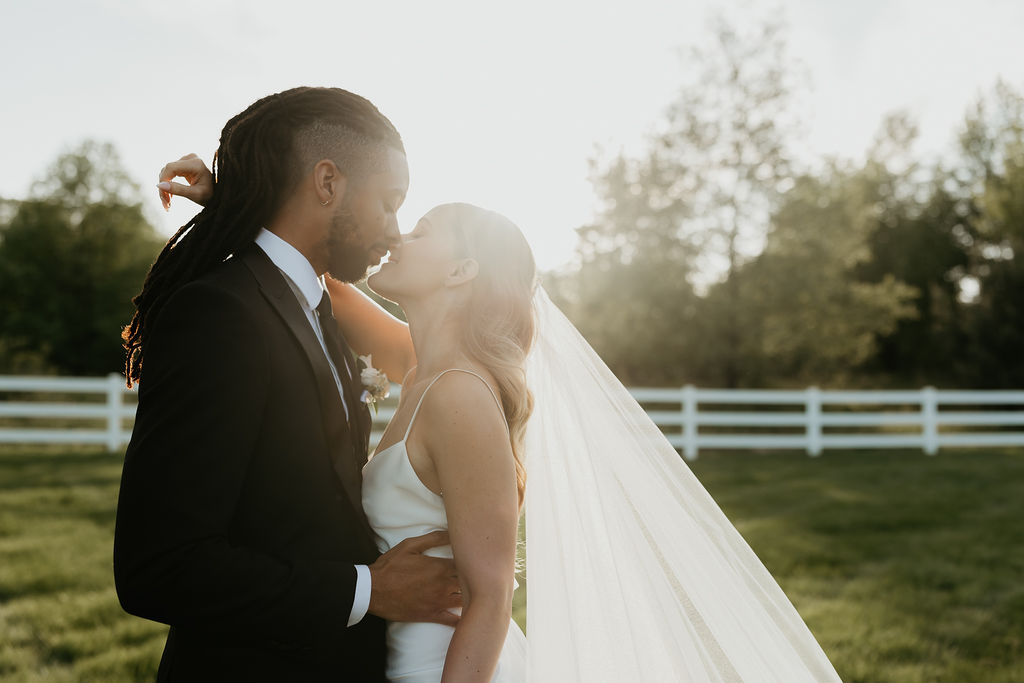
[(196, 174)]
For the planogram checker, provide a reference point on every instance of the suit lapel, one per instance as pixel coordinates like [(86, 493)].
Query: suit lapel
[(336, 429)]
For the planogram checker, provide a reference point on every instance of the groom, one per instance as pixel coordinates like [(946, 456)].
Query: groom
[(239, 521)]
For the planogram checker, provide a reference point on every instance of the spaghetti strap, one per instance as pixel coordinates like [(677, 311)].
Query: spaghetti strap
[(419, 403), (408, 372)]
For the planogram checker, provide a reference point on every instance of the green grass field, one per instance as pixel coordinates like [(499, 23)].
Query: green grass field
[(905, 567)]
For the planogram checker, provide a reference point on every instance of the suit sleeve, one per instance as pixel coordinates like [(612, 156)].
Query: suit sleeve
[(202, 396)]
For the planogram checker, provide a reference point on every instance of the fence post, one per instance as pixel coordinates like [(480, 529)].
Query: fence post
[(930, 420), (115, 403), (690, 422), (813, 405)]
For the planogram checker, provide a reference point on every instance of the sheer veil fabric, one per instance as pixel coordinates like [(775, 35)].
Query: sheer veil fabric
[(634, 573)]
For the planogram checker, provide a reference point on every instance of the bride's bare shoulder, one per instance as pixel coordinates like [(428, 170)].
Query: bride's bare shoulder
[(461, 407)]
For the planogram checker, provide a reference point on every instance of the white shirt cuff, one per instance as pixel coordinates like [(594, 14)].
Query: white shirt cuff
[(361, 601)]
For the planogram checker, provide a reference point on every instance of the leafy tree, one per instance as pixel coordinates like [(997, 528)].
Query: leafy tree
[(850, 274), (85, 176), (918, 235), (992, 144), (816, 320), (725, 148), (631, 293), (71, 258), (634, 314), (698, 199)]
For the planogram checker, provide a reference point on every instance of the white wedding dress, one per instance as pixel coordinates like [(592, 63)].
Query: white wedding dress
[(399, 506), (635, 574)]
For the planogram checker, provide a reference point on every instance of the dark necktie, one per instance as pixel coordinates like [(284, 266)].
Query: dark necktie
[(341, 358), (332, 341)]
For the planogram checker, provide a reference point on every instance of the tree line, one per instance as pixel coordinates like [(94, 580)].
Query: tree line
[(718, 257), (72, 256)]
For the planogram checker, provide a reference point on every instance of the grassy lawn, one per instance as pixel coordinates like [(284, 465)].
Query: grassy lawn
[(59, 617), (906, 568)]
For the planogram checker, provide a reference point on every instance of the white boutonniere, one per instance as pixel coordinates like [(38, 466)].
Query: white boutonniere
[(376, 386)]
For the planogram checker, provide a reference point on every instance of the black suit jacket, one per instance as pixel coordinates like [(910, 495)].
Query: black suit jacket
[(239, 518)]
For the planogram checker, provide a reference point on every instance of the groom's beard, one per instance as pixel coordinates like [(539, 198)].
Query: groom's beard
[(347, 259)]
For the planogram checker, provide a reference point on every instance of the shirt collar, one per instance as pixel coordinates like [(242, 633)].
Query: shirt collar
[(294, 266)]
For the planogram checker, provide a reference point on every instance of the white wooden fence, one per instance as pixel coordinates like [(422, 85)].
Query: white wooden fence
[(814, 419), (693, 419), (31, 418)]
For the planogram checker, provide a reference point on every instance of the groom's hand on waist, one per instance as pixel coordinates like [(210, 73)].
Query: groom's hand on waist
[(407, 585)]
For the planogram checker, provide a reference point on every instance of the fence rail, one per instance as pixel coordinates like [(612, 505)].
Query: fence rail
[(113, 410), (812, 419)]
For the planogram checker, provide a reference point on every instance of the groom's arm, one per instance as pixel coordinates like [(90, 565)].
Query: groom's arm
[(201, 402)]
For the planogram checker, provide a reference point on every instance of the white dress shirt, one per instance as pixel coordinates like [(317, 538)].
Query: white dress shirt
[(308, 289)]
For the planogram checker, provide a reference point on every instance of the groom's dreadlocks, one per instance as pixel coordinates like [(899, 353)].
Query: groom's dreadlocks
[(264, 152)]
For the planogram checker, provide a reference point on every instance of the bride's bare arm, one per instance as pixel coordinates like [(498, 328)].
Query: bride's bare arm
[(464, 434), (370, 329)]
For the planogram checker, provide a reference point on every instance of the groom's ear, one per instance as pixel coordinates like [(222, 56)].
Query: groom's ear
[(329, 183), (462, 272)]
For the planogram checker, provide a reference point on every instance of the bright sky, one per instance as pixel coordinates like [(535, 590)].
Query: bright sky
[(499, 105)]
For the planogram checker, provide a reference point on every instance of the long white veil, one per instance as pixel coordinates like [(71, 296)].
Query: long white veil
[(633, 572)]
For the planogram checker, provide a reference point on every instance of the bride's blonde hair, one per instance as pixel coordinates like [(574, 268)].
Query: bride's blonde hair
[(498, 319)]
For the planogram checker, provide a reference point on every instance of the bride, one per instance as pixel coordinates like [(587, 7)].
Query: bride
[(452, 456), (634, 572)]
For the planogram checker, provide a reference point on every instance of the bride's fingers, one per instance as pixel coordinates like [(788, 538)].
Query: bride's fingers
[(194, 171), (189, 166), (168, 188), (165, 198)]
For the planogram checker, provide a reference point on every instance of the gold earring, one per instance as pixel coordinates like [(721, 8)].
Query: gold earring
[(325, 202)]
